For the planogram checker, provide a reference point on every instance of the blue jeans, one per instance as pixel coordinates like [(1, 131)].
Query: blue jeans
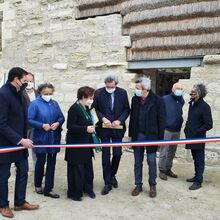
[(138, 165), (199, 164), (20, 183)]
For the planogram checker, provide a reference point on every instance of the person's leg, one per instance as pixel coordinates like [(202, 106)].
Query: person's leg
[(39, 170), (163, 153), (21, 182), (199, 156), (117, 152), (138, 165), (4, 176), (172, 151), (89, 176), (34, 158), (50, 171), (106, 164), (152, 168), (78, 179)]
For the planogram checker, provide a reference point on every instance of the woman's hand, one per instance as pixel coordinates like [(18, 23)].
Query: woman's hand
[(46, 127), (91, 129), (54, 126)]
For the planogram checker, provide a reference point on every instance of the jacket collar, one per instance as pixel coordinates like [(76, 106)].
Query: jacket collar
[(11, 87)]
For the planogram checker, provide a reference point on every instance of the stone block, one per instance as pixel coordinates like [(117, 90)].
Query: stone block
[(60, 66)]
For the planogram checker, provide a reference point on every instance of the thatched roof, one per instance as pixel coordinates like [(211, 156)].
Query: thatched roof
[(163, 28)]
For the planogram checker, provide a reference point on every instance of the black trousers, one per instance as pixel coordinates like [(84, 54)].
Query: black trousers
[(20, 183), (199, 164), (110, 166), (80, 179), (50, 171)]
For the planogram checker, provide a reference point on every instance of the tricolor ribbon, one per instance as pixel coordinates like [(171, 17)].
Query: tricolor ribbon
[(7, 149)]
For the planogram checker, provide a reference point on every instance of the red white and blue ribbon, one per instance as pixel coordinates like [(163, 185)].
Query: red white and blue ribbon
[(7, 149)]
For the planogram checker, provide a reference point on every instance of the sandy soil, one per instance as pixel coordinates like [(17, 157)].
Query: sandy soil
[(174, 200)]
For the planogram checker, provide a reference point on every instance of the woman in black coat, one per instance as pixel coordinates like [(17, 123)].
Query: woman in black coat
[(79, 160), (199, 121)]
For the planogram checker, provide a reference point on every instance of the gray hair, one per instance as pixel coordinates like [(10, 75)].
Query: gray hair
[(146, 83), (110, 79), (201, 89)]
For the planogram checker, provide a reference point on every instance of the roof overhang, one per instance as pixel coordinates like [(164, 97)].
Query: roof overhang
[(165, 63)]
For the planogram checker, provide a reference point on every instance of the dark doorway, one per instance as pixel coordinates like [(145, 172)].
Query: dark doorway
[(165, 80)]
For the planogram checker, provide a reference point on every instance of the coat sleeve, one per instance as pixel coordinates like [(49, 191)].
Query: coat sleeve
[(207, 120), (131, 120), (32, 115), (60, 117), (96, 105), (161, 118), (126, 111), (72, 125), (5, 130)]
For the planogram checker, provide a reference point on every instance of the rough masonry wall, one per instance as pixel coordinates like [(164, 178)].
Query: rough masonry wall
[(44, 38)]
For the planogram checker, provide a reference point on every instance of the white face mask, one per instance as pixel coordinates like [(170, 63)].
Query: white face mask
[(109, 90), (30, 85), (88, 102), (46, 98)]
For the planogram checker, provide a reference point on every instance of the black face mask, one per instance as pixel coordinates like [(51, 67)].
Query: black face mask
[(192, 96), (23, 86)]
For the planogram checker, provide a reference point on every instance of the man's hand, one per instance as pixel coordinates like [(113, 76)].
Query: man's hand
[(27, 143), (91, 129), (46, 127), (54, 126), (107, 122), (115, 123)]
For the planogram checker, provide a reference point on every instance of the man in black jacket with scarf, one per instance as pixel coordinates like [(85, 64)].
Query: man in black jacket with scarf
[(198, 122), (13, 131), (147, 122)]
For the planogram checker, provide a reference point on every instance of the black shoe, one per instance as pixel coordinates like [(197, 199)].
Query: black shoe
[(77, 199), (53, 195), (195, 186), (92, 195), (171, 174), (191, 180), (114, 182), (106, 189)]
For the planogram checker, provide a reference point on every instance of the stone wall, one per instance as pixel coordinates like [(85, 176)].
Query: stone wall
[(44, 38)]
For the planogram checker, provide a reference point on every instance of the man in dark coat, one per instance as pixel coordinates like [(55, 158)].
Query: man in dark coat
[(13, 131), (112, 106), (198, 122), (147, 122)]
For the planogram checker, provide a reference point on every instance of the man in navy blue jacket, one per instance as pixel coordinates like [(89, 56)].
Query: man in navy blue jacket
[(174, 103), (112, 106), (13, 131)]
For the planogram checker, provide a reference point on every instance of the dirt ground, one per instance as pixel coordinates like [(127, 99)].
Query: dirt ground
[(174, 200)]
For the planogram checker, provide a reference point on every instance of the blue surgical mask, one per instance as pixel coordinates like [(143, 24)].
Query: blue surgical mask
[(138, 92), (178, 92)]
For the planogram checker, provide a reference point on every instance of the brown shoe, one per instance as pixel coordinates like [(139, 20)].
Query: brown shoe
[(136, 191), (162, 175), (7, 212), (153, 191), (171, 174), (26, 206)]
